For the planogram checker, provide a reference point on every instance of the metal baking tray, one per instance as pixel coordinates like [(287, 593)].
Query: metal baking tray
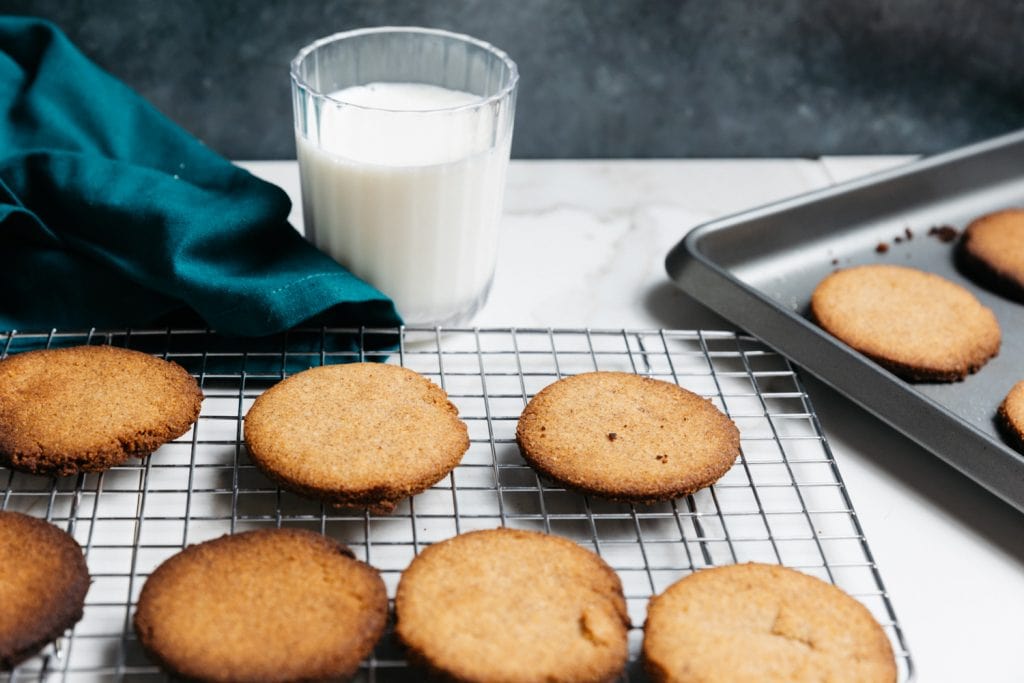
[(758, 270)]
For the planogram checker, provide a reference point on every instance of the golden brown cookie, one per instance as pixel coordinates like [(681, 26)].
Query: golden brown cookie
[(626, 437), (759, 623), (513, 606), (919, 326), (43, 582), (1011, 415), (270, 605), (992, 252), (356, 435), (88, 408)]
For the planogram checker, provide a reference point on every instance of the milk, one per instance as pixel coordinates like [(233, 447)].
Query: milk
[(407, 202)]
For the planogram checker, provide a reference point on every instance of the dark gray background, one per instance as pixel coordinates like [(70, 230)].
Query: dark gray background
[(604, 79)]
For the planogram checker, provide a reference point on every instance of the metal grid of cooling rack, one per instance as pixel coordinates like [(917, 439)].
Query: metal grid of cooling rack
[(783, 502)]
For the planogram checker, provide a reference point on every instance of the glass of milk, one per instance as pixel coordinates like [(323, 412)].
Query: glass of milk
[(403, 139)]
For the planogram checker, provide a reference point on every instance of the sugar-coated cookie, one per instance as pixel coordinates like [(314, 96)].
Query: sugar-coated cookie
[(626, 437), (356, 435), (758, 623), (918, 325), (1011, 415), (272, 605), (88, 408), (43, 582), (992, 252), (513, 606)]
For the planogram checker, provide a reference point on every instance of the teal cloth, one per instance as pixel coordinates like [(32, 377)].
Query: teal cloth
[(113, 216)]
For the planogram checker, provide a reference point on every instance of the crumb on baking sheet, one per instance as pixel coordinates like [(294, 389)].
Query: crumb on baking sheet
[(944, 233), (882, 247)]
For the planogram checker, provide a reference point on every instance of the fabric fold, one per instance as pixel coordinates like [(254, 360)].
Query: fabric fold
[(113, 216)]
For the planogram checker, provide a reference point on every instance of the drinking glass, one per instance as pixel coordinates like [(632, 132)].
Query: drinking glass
[(403, 138)]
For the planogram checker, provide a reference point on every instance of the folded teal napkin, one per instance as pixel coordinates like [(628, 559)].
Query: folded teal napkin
[(113, 216)]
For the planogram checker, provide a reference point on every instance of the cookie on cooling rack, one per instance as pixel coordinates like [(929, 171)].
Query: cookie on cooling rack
[(88, 408), (43, 582), (511, 605), (918, 325), (992, 252), (270, 605), (765, 623), (356, 435), (1011, 415), (626, 437)]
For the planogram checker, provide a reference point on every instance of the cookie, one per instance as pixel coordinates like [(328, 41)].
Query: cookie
[(626, 437), (43, 582), (513, 606), (992, 252), (1011, 415), (356, 435), (917, 325), (88, 408), (762, 623), (270, 605)]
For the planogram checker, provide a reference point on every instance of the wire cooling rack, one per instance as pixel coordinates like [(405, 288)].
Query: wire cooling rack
[(783, 501)]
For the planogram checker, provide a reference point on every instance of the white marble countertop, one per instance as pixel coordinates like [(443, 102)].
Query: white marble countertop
[(584, 243)]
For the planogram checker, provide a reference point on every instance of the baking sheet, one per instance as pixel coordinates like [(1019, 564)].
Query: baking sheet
[(758, 269)]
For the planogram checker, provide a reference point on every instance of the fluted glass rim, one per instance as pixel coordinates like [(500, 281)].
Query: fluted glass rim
[(299, 82)]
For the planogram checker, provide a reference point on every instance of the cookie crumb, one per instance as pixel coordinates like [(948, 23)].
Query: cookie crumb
[(909, 233), (882, 248), (612, 436), (897, 239), (944, 233), (835, 262)]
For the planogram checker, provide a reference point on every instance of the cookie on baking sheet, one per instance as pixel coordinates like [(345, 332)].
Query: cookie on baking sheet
[(919, 326), (992, 252), (88, 408), (759, 623), (626, 437), (513, 606), (1011, 415), (43, 582), (269, 605), (356, 435)]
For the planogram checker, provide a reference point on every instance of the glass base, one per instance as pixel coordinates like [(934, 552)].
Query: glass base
[(458, 319)]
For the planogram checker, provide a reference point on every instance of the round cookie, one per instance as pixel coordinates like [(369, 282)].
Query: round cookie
[(992, 252), (762, 623), (626, 437), (919, 326), (270, 605), (1011, 415), (511, 606), (88, 408), (43, 582), (356, 435)]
